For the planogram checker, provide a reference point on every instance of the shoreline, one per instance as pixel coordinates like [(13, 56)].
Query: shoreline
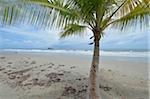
[(105, 55)]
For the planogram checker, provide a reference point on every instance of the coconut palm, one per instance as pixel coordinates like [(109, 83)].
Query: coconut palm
[(73, 17)]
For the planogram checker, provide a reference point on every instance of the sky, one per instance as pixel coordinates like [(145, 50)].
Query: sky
[(26, 36)]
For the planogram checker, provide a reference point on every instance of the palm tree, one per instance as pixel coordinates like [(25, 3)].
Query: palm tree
[(75, 16)]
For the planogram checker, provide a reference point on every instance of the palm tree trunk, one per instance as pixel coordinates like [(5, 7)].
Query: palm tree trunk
[(94, 83)]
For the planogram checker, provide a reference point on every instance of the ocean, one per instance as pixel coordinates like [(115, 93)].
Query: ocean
[(142, 56)]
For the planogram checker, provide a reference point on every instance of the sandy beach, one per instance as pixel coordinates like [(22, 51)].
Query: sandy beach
[(65, 76)]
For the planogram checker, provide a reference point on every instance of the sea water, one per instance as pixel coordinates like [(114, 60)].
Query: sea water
[(140, 56)]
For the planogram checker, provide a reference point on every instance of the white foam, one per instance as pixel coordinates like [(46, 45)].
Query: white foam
[(88, 52)]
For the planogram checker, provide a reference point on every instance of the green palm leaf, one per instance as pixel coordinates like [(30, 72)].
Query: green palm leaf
[(130, 12), (138, 16), (60, 13), (72, 29)]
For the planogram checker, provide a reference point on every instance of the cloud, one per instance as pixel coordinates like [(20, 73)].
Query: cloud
[(43, 35), (126, 40), (28, 37), (27, 41)]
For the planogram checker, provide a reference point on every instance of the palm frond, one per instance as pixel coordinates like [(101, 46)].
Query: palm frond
[(9, 14), (140, 15), (67, 14), (129, 5), (73, 29), (128, 12), (53, 4), (41, 13)]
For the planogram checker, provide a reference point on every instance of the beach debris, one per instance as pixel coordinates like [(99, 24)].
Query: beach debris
[(21, 71), (24, 77), (9, 70), (84, 78), (42, 83), (27, 84), (8, 66), (5, 72), (66, 72), (54, 77), (109, 70), (9, 62), (68, 90), (60, 74), (51, 64), (33, 62), (26, 62), (73, 67), (78, 79), (42, 70), (19, 79), (82, 88), (14, 68), (12, 76), (35, 81), (61, 65), (105, 88), (141, 82), (41, 65), (1, 69), (2, 57)]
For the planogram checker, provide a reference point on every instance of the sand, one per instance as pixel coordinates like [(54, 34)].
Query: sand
[(65, 76)]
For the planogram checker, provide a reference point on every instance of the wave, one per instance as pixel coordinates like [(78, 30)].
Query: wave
[(85, 52)]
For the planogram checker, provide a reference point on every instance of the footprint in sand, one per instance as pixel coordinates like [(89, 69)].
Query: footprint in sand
[(33, 62), (12, 76), (105, 88), (42, 70), (109, 70), (9, 62), (69, 90), (61, 65), (73, 67), (9, 71), (79, 79), (51, 64), (1, 69), (8, 66), (14, 68), (40, 65), (26, 62), (2, 57), (5, 72)]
